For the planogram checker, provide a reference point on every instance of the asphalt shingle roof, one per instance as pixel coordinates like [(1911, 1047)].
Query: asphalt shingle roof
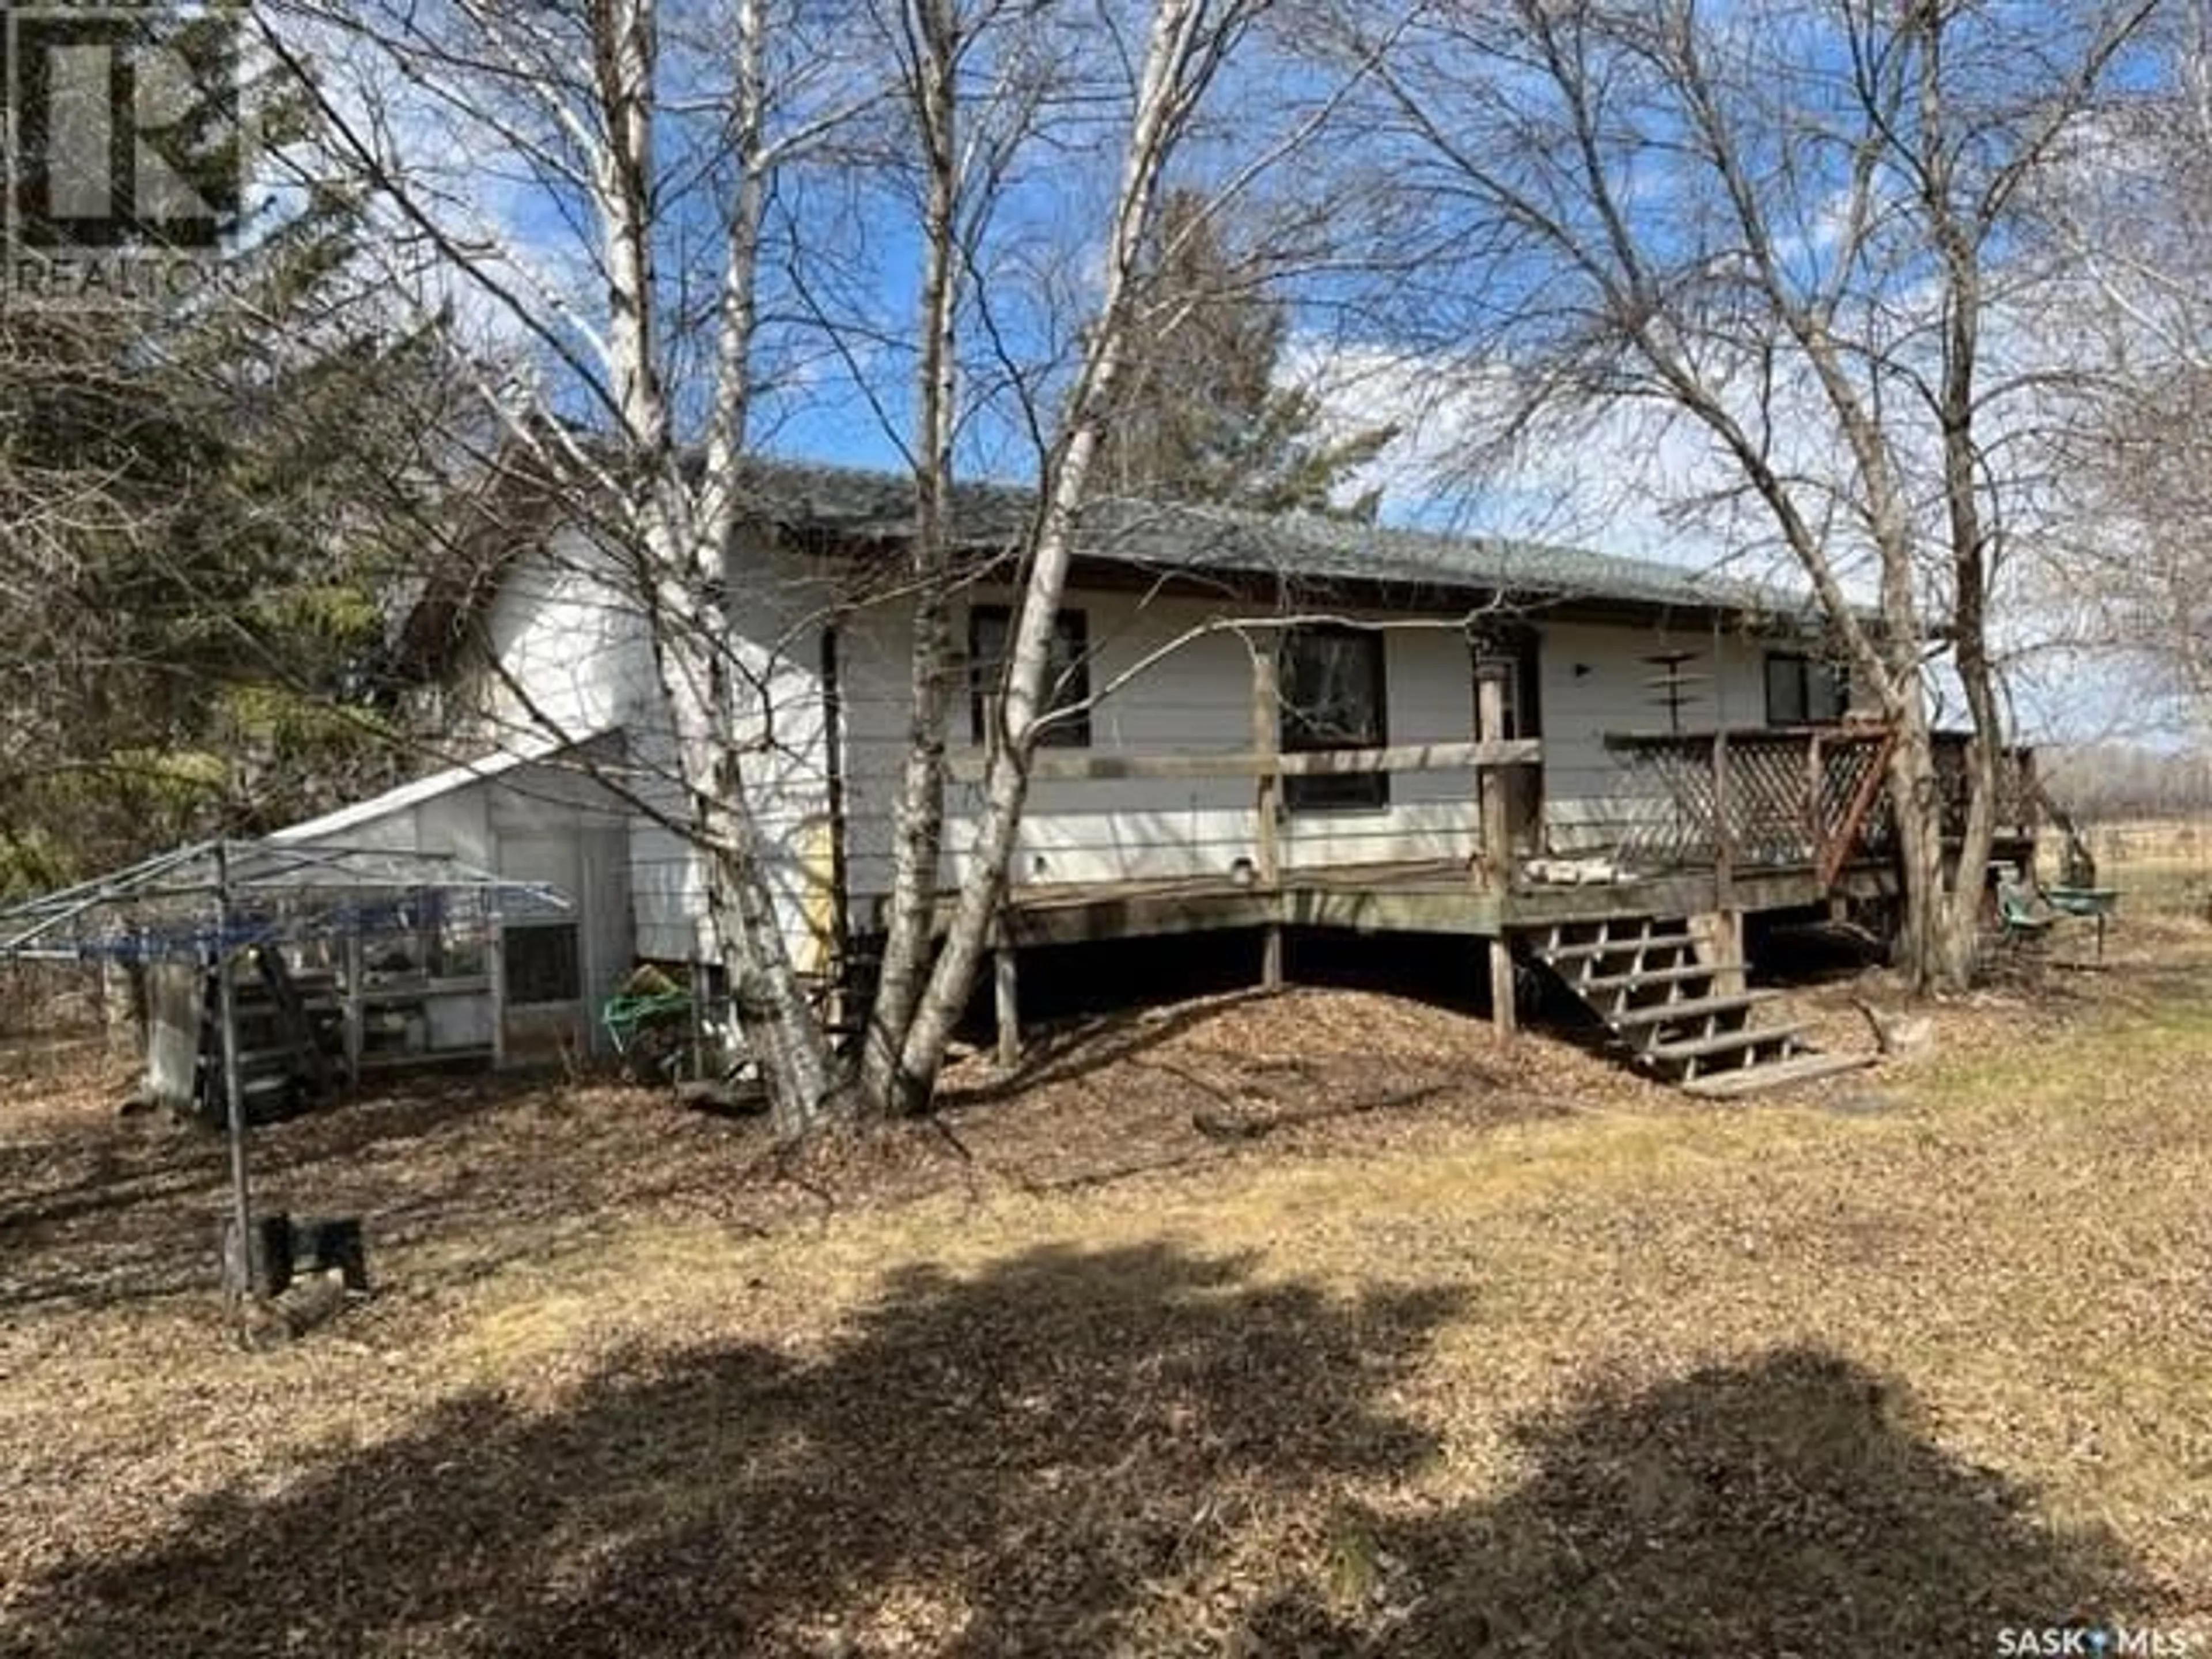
[(865, 505)]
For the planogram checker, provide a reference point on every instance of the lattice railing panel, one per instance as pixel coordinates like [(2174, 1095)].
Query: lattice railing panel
[(1846, 759), (1819, 797), (1770, 818), (1668, 814)]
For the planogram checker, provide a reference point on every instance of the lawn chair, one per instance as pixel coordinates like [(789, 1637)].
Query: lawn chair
[(2022, 917), (649, 1022), (2023, 924)]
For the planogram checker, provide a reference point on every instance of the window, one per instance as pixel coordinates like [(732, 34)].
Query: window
[(542, 964), (1803, 691), (1067, 676), (1332, 687)]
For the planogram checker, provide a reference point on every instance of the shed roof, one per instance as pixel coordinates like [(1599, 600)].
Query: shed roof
[(522, 750)]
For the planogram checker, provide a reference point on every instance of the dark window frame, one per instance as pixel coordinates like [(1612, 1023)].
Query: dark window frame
[(524, 982), (1805, 675), (1296, 732), (1071, 686)]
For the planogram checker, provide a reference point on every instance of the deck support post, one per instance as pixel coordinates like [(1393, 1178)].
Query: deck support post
[(1505, 1017), (357, 1012), (495, 968), (1271, 956), (1005, 1004), (1717, 936)]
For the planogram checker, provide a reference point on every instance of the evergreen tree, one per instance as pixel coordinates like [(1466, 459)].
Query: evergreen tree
[(201, 504), (1202, 417)]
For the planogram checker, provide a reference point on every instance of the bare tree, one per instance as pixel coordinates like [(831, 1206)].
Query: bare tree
[(1187, 42), (645, 140), (2126, 211), (933, 38), (623, 137), (1787, 229)]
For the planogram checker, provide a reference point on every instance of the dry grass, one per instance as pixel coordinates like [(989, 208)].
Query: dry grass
[(1419, 1346)]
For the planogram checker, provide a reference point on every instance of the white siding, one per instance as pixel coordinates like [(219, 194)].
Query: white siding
[(573, 647), (1195, 700), (569, 637), (783, 730), (585, 661), (1593, 679)]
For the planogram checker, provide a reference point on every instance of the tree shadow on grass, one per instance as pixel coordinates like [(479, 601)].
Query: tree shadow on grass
[(1022, 1461), (1791, 1505)]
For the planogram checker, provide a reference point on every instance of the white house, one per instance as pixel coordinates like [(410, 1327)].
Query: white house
[(1161, 780)]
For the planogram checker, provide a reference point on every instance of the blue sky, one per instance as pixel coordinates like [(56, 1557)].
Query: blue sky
[(839, 286)]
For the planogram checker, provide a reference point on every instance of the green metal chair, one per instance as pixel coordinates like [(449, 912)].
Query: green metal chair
[(2018, 917), (2100, 904)]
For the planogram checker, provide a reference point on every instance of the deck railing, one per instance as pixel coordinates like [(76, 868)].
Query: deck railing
[(1503, 825), (1813, 797)]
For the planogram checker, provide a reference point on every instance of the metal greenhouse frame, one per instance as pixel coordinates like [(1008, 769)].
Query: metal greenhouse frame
[(205, 905)]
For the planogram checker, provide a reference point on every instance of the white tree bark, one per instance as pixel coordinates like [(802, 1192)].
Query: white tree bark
[(576, 100), (1186, 41), (687, 532), (931, 30)]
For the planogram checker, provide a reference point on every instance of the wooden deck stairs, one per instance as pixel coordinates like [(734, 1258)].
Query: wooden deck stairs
[(1685, 1017)]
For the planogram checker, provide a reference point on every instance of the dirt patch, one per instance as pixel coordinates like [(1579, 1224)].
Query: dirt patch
[(1306, 1070)]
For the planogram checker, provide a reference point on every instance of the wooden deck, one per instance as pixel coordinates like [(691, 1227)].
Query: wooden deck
[(1405, 898), (1729, 821), (1716, 827)]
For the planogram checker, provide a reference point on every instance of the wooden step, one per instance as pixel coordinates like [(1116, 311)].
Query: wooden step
[(1665, 1013), (1614, 947), (1606, 983), (1775, 1075), (1747, 1037), (1717, 1064)]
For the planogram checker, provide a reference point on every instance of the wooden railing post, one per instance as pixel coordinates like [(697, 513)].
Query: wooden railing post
[(1723, 826), (1493, 859), (1268, 787), (1267, 796), (1816, 781)]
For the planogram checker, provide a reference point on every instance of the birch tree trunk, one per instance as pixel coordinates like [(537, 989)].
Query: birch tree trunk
[(1185, 45), (686, 540), (931, 32)]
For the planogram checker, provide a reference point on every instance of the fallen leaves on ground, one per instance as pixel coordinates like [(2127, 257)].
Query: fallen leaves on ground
[(1320, 1323)]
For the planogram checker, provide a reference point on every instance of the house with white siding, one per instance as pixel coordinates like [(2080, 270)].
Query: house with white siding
[(1593, 764)]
